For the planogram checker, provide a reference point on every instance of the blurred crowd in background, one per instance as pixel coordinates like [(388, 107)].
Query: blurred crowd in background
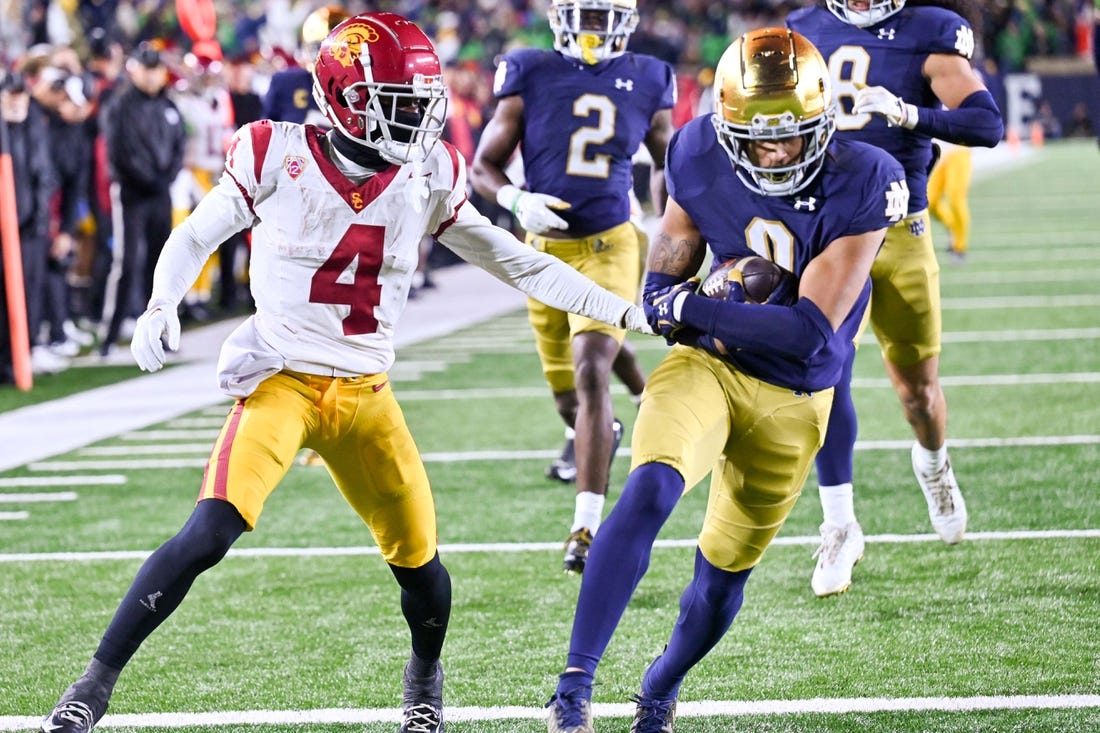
[(62, 60)]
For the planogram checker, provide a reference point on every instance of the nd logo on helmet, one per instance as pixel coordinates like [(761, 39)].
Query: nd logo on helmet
[(347, 46)]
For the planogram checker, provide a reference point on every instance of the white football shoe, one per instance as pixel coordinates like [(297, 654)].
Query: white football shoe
[(841, 548), (946, 507)]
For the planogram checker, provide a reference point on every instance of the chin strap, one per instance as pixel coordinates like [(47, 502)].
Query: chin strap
[(587, 42), (361, 155)]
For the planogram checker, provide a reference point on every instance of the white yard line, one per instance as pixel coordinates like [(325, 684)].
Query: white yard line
[(143, 435), (1017, 302), (494, 393), (91, 480), (700, 709), (144, 464), (14, 516), (151, 449), (491, 548), (38, 498), (198, 422)]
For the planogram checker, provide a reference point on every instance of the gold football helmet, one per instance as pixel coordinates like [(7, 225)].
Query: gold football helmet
[(877, 11), (773, 84), (592, 30)]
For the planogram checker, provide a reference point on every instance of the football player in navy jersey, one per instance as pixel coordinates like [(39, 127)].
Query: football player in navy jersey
[(902, 76), (745, 393), (289, 96), (579, 113)]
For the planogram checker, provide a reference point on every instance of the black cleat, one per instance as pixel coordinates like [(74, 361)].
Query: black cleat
[(564, 467), (616, 439), (72, 716), (653, 716), (576, 551), (422, 702)]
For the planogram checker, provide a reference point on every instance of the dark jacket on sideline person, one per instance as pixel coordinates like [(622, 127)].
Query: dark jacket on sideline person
[(145, 139)]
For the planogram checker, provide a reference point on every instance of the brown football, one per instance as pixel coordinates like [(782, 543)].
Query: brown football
[(758, 276)]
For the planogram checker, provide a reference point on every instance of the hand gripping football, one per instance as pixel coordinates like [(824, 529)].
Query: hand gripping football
[(759, 278)]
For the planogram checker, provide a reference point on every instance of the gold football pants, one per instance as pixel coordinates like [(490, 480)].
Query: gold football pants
[(905, 294), (611, 259), (357, 426), (700, 414)]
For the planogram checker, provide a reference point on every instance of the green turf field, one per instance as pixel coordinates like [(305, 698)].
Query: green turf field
[(300, 628)]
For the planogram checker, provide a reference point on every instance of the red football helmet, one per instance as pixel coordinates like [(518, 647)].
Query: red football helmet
[(378, 80)]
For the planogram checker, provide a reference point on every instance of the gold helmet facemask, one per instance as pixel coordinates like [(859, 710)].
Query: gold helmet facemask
[(772, 84), (592, 30)]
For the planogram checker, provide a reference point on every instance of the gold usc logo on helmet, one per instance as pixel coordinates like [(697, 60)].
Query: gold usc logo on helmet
[(347, 45)]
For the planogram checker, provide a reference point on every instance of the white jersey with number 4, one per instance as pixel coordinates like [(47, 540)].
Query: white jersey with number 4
[(333, 260)]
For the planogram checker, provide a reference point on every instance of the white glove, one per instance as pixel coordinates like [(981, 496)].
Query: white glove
[(157, 325), (532, 210), (635, 320), (879, 101)]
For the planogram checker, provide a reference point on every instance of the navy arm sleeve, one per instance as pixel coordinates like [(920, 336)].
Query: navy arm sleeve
[(976, 121), (796, 332)]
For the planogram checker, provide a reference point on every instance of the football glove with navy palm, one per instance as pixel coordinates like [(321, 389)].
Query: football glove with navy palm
[(664, 306)]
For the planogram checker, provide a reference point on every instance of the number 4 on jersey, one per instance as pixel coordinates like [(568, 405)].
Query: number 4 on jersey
[(361, 246)]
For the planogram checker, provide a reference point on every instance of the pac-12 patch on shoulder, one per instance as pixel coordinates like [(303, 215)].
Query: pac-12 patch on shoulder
[(294, 165)]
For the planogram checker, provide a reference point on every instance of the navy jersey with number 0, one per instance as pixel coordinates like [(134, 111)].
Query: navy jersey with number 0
[(889, 54), (582, 126), (859, 189)]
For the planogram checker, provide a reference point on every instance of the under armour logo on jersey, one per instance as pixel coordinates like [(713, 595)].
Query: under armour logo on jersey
[(897, 201), (627, 84), (810, 204), (886, 34), (964, 41), (150, 601)]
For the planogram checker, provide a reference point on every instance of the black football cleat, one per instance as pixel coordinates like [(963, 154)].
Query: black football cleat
[(72, 716), (576, 551), (422, 702), (653, 716), (564, 467)]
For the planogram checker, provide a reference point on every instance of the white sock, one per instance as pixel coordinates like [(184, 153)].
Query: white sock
[(837, 505), (929, 461), (588, 511), (570, 433)]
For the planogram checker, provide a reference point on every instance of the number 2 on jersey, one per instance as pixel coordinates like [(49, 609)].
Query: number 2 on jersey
[(361, 245), (579, 162)]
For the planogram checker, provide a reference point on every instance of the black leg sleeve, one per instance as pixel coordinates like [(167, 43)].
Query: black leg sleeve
[(426, 603), (167, 575)]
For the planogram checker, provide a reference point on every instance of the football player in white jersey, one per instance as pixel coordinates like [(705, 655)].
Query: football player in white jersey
[(336, 218)]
